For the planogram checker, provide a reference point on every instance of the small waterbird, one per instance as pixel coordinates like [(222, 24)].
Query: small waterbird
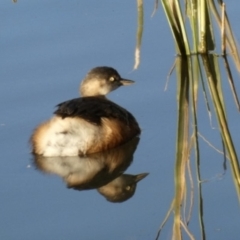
[(88, 124)]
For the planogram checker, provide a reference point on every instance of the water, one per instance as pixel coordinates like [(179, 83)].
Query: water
[(46, 49)]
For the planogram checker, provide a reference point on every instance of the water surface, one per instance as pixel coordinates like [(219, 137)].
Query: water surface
[(47, 47)]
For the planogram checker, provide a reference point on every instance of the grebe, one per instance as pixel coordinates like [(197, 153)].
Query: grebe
[(88, 124)]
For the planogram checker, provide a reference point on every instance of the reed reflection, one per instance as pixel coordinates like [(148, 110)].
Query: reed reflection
[(102, 171)]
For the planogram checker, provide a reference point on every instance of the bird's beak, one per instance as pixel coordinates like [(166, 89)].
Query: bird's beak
[(126, 82), (140, 176)]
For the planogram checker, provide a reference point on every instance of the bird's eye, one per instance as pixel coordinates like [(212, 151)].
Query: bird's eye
[(111, 79)]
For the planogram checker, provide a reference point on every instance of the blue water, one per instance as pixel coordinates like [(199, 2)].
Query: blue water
[(47, 47)]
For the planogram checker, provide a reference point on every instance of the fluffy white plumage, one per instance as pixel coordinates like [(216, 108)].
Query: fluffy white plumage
[(67, 137)]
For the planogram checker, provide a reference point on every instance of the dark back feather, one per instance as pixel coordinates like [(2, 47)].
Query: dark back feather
[(92, 109)]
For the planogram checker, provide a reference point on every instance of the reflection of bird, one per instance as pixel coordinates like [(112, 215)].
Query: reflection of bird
[(121, 188), (88, 124), (103, 170)]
